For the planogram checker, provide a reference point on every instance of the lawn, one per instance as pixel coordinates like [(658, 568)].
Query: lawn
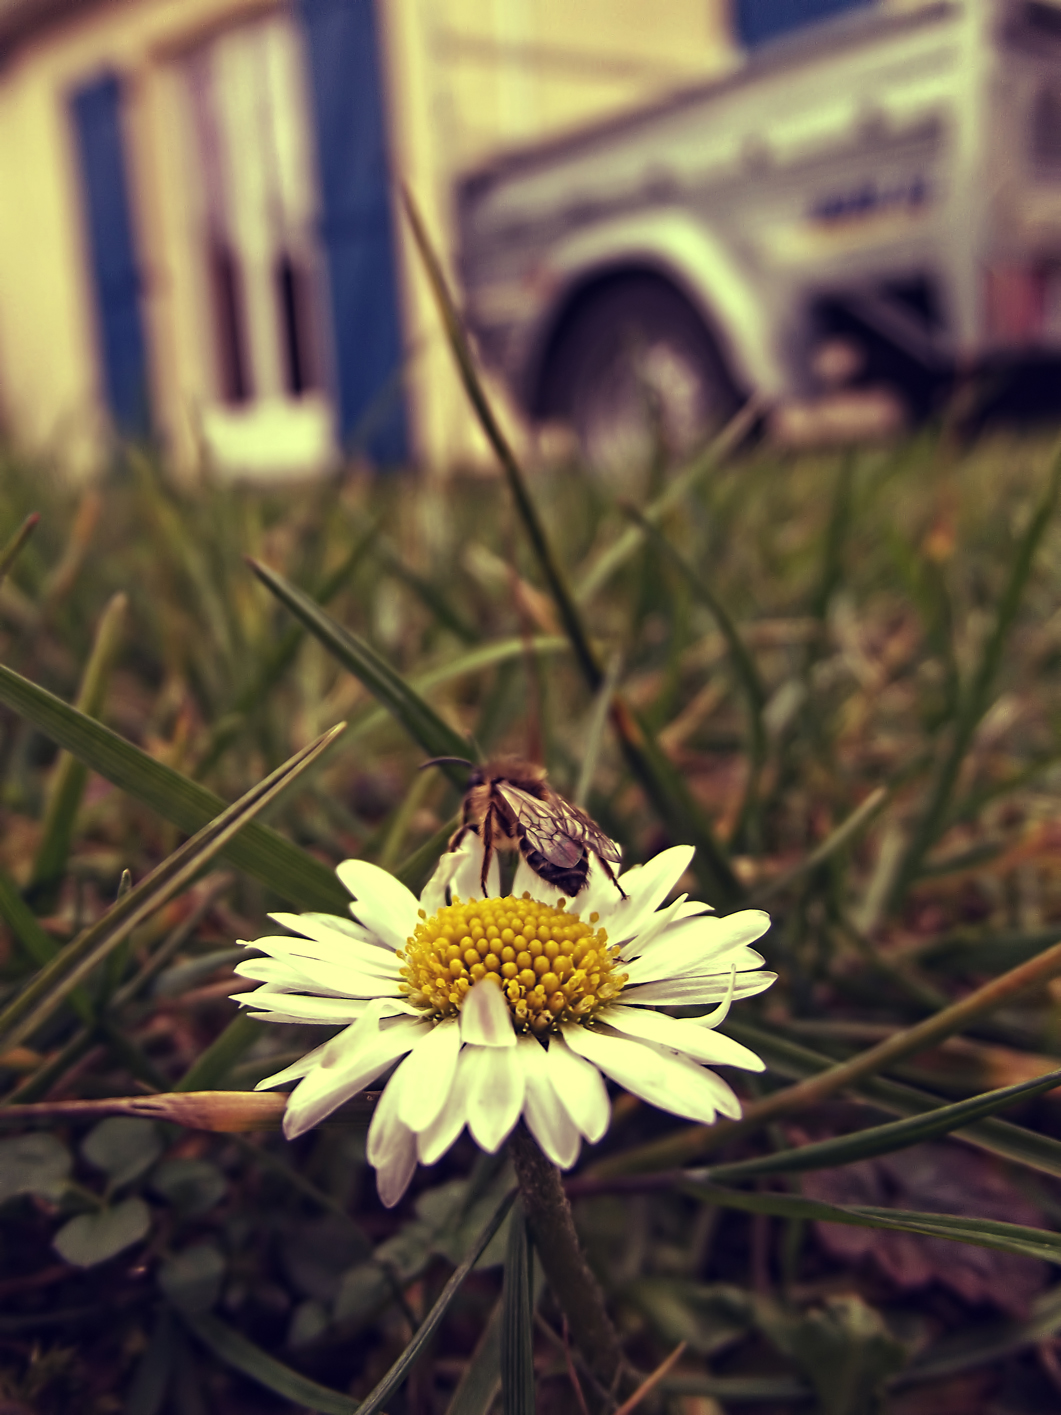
[(837, 675)]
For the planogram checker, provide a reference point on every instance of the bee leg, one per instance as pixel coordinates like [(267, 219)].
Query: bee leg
[(487, 833), (611, 875), (458, 835)]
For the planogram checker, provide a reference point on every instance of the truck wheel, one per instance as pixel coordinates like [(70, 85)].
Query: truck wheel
[(634, 371)]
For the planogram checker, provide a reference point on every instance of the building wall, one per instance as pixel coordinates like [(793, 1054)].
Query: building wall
[(464, 79)]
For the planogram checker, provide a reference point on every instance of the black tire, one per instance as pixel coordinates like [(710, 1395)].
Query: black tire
[(634, 370)]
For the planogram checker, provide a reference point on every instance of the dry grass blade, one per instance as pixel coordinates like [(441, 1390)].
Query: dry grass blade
[(58, 978), (648, 1385)]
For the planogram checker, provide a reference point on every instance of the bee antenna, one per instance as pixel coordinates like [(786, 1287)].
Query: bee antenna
[(445, 761)]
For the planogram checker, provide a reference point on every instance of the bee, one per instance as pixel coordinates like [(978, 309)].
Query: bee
[(510, 804)]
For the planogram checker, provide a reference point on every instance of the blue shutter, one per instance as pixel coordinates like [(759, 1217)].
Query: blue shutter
[(356, 230), (96, 112), (760, 20)]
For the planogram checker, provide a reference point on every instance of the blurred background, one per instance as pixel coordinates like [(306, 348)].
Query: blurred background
[(651, 212)]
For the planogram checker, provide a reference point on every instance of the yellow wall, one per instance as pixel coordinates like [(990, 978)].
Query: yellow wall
[(465, 79)]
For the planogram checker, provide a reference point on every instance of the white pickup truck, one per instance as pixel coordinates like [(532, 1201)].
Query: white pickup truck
[(872, 203)]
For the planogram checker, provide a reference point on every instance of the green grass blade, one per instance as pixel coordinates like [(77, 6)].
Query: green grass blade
[(595, 732), (70, 774), (517, 1329), (39, 999), (975, 700), (10, 552), (239, 1352), (420, 720), (399, 1371), (629, 542), (259, 851), (431, 595), (209, 1070), (844, 833), (996, 1137), (884, 1139), (462, 354), (744, 669), (479, 1385), (983, 1233), (229, 727), (984, 1343), (23, 923)]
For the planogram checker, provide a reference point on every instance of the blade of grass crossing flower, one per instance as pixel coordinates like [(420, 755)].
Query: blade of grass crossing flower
[(462, 354), (10, 552), (420, 720), (885, 1139), (70, 966), (517, 1333), (239, 1352), (983, 1233), (260, 852), (399, 1371), (70, 774), (976, 698), (666, 792)]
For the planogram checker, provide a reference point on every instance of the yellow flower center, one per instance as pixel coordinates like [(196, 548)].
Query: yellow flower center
[(551, 966)]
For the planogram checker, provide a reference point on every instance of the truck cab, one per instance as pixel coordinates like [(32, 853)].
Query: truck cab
[(870, 203)]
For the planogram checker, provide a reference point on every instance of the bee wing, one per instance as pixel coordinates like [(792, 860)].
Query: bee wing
[(546, 825), (590, 833)]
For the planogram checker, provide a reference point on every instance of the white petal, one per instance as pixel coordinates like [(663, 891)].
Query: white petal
[(294, 1072), (694, 988), (303, 953), (304, 1009), (601, 893), (647, 886), (344, 1070), (382, 903), (465, 879), (676, 1034), (543, 1111), (701, 945), (662, 919), (485, 1018), (391, 1149), (426, 1075), (496, 1087), (433, 1142), (580, 1088), (326, 928), (659, 1077), (458, 875), (718, 1014), (528, 882)]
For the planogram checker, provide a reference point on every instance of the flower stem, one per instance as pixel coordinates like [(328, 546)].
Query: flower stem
[(566, 1270)]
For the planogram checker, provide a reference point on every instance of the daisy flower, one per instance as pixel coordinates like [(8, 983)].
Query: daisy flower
[(499, 1008)]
